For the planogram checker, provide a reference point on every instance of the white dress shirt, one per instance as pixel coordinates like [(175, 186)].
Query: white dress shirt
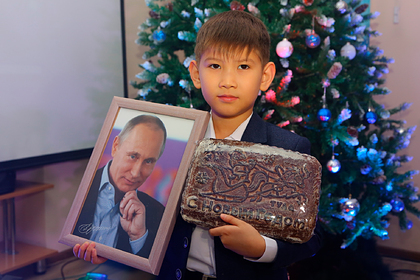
[(201, 256)]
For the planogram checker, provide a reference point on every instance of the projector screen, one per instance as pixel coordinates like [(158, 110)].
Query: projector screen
[(61, 63)]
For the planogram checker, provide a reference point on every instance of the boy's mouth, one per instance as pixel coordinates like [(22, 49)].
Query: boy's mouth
[(227, 98)]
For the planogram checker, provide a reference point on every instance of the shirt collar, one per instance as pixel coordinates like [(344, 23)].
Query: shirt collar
[(236, 135), (105, 176)]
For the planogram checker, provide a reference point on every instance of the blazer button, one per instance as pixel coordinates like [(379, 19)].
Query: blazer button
[(185, 242), (178, 274)]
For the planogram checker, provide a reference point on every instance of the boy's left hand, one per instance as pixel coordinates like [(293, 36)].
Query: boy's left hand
[(240, 237)]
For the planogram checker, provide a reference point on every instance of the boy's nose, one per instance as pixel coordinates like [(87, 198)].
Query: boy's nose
[(228, 79)]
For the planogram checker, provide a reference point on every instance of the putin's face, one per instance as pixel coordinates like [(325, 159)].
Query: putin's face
[(135, 157)]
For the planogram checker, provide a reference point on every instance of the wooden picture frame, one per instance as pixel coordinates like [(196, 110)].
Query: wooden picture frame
[(184, 127)]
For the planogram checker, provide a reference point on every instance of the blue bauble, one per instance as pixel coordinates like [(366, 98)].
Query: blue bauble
[(409, 224), (371, 117), (333, 165), (159, 36), (324, 115), (313, 40), (365, 169), (397, 205)]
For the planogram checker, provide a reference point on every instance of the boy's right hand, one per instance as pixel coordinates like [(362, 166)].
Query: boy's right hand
[(87, 251)]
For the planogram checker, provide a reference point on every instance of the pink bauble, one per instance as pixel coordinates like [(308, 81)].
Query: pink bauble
[(284, 48)]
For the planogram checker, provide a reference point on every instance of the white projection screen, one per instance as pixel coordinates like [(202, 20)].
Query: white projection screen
[(61, 63)]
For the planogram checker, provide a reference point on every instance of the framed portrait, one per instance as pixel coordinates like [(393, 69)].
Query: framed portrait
[(129, 195)]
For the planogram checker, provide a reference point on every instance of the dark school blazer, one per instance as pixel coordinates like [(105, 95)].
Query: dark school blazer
[(229, 265)]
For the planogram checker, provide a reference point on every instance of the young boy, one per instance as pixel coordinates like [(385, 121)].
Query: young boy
[(232, 67)]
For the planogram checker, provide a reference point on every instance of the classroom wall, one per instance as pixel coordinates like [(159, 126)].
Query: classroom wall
[(40, 217), (401, 42)]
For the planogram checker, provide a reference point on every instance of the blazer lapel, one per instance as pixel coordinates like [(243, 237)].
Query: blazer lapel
[(89, 206), (255, 124)]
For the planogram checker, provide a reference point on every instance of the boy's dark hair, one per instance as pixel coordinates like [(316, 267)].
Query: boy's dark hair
[(232, 31)]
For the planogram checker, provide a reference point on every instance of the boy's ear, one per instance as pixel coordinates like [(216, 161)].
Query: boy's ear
[(195, 75), (268, 74)]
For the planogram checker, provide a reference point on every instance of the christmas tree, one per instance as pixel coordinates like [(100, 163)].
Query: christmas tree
[(327, 77)]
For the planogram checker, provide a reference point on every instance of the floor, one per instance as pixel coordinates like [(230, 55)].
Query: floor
[(72, 268)]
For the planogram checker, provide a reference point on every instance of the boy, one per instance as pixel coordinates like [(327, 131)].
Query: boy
[(232, 66)]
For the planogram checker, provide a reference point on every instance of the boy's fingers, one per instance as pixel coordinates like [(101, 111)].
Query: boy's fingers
[(231, 220), (88, 252), (76, 250), (219, 231)]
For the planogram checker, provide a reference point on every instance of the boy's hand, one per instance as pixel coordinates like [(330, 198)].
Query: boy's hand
[(87, 251), (240, 237)]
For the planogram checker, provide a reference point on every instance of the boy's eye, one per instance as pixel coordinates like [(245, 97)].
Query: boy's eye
[(214, 66), (243, 67)]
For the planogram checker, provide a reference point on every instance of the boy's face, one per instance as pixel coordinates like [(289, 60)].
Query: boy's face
[(230, 83)]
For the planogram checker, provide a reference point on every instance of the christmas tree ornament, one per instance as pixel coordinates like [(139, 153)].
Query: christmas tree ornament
[(162, 78), (158, 36), (308, 2), (331, 55), (270, 96), (335, 93), (341, 6), (327, 43), (350, 208), (348, 50), (333, 165), (236, 6), (325, 83), (334, 70), (397, 205), (373, 138), (324, 114), (371, 117), (252, 9), (365, 169), (312, 40), (345, 114), (361, 8), (164, 24), (352, 131), (386, 207), (154, 15), (284, 48), (269, 114), (284, 62), (283, 123), (409, 224), (325, 22)]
